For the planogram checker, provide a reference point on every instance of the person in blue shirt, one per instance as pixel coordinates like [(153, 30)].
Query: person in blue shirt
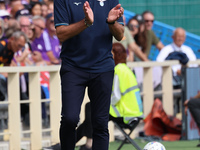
[(85, 29)]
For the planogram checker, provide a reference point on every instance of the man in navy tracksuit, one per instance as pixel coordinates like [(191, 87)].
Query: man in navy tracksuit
[(85, 29)]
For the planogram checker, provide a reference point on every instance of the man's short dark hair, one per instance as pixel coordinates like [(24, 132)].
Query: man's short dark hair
[(147, 12)]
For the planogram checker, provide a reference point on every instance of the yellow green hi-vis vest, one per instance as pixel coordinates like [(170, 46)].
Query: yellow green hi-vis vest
[(130, 104)]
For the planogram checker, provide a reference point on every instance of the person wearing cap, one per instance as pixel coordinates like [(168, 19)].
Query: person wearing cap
[(130, 45), (4, 14), (22, 12), (152, 39)]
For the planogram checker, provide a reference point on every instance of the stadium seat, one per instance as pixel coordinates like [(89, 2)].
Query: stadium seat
[(131, 126)]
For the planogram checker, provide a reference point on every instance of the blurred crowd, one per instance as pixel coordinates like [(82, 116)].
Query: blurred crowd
[(27, 34), (34, 21)]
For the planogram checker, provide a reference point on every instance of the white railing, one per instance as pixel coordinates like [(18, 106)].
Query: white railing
[(14, 124), (14, 121)]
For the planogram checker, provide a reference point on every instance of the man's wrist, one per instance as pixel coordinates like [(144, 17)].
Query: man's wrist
[(88, 25), (109, 22)]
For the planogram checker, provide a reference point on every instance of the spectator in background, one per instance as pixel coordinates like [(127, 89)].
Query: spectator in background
[(51, 34), (177, 51), (50, 6), (124, 105), (141, 36), (5, 16), (25, 26), (13, 3), (178, 36), (151, 37), (41, 42), (149, 19), (12, 26), (22, 12), (130, 45), (36, 59), (38, 43), (8, 47), (138, 34), (32, 33), (44, 9), (36, 9), (2, 5), (15, 9)]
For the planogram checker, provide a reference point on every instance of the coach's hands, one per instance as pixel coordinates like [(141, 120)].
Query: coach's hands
[(115, 13), (89, 16)]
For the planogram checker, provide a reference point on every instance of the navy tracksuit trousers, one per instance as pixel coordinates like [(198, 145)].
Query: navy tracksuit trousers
[(74, 83)]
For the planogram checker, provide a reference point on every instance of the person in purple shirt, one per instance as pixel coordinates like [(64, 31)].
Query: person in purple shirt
[(41, 42), (51, 33)]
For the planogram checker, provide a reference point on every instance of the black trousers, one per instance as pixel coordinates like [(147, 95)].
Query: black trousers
[(194, 107), (73, 84)]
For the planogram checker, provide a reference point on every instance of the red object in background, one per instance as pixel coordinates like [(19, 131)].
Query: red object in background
[(158, 123), (44, 78)]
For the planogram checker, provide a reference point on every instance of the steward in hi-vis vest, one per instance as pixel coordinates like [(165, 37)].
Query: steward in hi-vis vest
[(125, 99)]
